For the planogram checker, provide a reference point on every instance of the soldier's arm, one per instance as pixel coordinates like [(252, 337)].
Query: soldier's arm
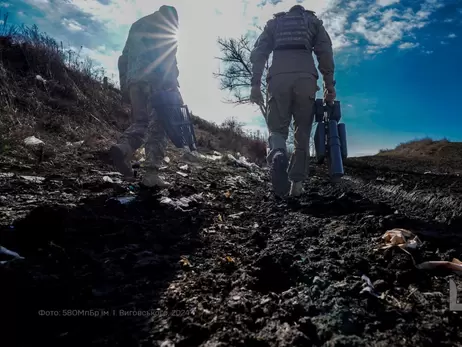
[(261, 51), (122, 65), (323, 50)]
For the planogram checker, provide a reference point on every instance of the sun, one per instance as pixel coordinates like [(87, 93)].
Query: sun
[(176, 35)]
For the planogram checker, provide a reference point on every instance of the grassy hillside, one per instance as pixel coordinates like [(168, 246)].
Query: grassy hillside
[(425, 148), (60, 97), (426, 154)]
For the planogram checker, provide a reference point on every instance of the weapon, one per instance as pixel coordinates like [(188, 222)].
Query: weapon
[(330, 139), (175, 118)]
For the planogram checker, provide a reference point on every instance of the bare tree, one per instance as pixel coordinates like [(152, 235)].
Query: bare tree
[(237, 73)]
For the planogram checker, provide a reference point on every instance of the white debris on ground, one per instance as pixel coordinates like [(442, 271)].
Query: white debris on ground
[(183, 168), (235, 181), (41, 79), (140, 156), (242, 162), (107, 173), (182, 202), (33, 141), (6, 252), (455, 265), (111, 179), (215, 156), (368, 287), (125, 199), (34, 179), (405, 239), (236, 215), (231, 159), (402, 238), (74, 144)]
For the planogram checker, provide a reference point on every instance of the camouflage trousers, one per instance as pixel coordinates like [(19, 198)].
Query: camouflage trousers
[(292, 95), (147, 128)]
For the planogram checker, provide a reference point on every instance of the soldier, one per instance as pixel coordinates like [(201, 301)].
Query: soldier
[(147, 64), (292, 87)]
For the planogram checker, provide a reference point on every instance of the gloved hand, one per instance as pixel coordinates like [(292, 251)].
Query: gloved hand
[(329, 94), (256, 95)]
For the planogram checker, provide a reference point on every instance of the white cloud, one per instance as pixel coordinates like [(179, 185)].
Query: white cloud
[(38, 2), (104, 57), (4, 4), (386, 2), (72, 25), (384, 28), (335, 25), (408, 45), (452, 36)]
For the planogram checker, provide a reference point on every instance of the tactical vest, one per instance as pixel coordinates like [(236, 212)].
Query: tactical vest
[(292, 31)]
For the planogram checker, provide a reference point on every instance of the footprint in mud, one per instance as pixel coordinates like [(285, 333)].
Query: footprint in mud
[(275, 273)]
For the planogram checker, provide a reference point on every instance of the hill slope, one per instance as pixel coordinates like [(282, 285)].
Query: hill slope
[(60, 98), (422, 155)]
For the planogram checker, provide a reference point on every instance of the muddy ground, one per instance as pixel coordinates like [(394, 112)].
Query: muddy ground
[(231, 266)]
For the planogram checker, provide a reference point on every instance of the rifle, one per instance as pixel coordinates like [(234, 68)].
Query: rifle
[(175, 118), (330, 138)]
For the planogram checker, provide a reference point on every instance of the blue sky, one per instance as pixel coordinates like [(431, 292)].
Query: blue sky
[(398, 61)]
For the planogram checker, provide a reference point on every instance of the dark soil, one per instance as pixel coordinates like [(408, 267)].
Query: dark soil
[(235, 267)]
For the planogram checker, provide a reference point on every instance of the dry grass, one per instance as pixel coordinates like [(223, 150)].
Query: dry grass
[(419, 148), (230, 136), (56, 95), (438, 155), (49, 92)]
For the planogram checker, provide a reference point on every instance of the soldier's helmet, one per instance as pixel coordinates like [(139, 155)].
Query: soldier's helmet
[(170, 13), (297, 8)]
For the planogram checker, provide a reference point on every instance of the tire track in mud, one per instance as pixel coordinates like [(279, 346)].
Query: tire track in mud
[(440, 210)]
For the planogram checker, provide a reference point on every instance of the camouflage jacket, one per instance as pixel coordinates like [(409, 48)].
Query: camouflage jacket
[(149, 54)]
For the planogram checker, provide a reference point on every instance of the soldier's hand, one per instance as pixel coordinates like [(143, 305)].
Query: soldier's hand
[(256, 95), (329, 94)]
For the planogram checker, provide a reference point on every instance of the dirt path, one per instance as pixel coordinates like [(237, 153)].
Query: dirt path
[(230, 267)]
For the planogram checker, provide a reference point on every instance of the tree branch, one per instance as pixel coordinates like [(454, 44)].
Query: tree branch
[(236, 73)]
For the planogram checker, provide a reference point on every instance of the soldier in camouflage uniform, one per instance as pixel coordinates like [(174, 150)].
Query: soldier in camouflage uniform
[(148, 63), (292, 87)]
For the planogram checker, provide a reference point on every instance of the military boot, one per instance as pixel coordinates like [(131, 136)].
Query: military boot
[(152, 179), (296, 189), (119, 155), (279, 176), (192, 156)]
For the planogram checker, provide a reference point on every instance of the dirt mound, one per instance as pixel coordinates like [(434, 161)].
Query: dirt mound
[(425, 154), (425, 147)]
